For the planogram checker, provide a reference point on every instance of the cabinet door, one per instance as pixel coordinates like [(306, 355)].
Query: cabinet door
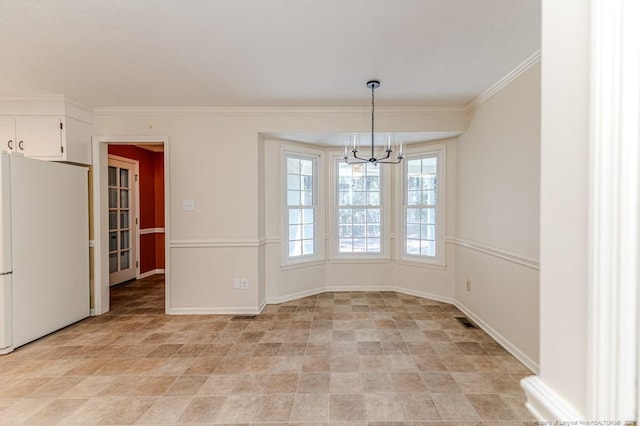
[(39, 136), (7, 134)]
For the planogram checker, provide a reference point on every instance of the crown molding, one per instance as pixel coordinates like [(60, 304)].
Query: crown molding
[(163, 111), (504, 81)]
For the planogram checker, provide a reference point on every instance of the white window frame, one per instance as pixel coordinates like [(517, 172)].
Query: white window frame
[(385, 228), (438, 151), (318, 200)]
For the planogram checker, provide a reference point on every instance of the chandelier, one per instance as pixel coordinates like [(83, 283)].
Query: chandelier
[(351, 155)]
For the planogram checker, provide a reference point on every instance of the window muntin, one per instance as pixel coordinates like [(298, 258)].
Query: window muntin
[(301, 176), (421, 206), (359, 211)]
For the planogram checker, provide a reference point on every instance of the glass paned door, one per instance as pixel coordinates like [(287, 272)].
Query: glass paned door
[(122, 219)]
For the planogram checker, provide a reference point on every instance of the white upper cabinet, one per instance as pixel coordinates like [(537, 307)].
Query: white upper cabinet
[(7, 134), (45, 130)]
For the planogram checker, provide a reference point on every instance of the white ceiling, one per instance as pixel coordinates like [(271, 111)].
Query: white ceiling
[(262, 52)]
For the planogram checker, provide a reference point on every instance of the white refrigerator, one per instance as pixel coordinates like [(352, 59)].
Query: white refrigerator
[(44, 248)]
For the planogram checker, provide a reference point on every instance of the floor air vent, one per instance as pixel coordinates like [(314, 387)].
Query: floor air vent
[(243, 318), (465, 321)]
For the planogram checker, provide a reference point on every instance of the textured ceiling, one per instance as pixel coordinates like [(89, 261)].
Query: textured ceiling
[(262, 52)]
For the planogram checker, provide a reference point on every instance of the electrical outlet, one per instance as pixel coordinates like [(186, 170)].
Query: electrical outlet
[(468, 284), (244, 283), (236, 283)]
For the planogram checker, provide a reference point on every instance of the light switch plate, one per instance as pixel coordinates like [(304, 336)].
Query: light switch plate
[(188, 205)]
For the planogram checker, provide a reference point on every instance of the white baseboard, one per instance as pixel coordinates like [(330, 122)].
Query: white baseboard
[(339, 288), (425, 295), (151, 272), (521, 356), (293, 296), (215, 311), (545, 404)]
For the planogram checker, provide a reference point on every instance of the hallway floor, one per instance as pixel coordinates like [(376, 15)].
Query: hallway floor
[(354, 358)]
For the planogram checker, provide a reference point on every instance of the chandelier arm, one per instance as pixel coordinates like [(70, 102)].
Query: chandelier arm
[(388, 151), (398, 161), (355, 155)]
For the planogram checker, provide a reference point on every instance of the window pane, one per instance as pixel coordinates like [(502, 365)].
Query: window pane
[(413, 215), (113, 241), (307, 183), (359, 198), (413, 230), (125, 260), (358, 186), (113, 198), (124, 219), (306, 167), (307, 198), (124, 198), (373, 245), (414, 167), (124, 239), (421, 197), (344, 199), (373, 183), (413, 247), (345, 215), (307, 216), (300, 192), (295, 232), (359, 245), (373, 215), (308, 247), (113, 176), (124, 178), (293, 182), (294, 216), (293, 198), (293, 165), (345, 245), (113, 219), (430, 216), (345, 230), (373, 231), (307, 232), (359, 215), (430, 198), (113, 262)]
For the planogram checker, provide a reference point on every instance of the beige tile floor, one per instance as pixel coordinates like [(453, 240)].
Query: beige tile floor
[(355, 358)]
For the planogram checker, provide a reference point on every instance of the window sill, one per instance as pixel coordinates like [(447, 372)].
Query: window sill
[(346, 260)]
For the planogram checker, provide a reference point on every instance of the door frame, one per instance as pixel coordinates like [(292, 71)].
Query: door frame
[(99, 145), (136, 204)]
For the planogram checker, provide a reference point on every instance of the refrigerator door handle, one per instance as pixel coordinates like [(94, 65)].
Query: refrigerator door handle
[(6, 273)]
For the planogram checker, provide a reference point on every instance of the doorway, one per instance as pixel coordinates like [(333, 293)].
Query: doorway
[(146, 252)]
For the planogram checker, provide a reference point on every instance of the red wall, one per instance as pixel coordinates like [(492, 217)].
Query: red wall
[(151, 184)]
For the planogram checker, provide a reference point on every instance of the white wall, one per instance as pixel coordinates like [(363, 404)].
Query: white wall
[(497, 214), (215, 157), (564, 200)]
